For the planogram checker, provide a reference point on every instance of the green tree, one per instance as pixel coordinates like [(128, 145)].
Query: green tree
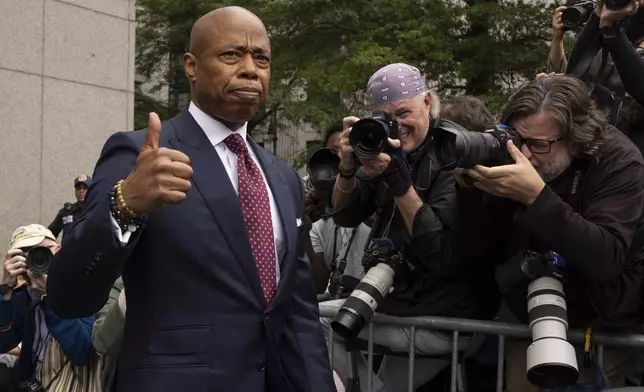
[(325, 50)]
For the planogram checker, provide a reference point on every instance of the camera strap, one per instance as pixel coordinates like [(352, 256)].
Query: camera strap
[(343, 262)]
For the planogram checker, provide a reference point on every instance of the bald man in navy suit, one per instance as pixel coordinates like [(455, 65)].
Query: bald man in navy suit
[(206, 228)]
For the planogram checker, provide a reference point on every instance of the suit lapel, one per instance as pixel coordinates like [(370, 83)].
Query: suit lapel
[(278, 186), (212, 181)]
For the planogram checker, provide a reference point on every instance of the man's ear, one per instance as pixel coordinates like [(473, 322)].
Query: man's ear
[(427, 99), (190, 66)]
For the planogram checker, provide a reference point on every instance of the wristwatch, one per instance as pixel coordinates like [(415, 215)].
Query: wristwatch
[(5, 288)]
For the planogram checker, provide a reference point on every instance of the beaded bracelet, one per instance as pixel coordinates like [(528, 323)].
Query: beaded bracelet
[(121, 200), (128, 221)]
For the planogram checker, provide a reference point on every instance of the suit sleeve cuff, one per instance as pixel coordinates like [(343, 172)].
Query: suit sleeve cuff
[(123, 237)]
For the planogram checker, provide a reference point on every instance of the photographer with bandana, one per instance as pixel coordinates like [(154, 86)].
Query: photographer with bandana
[(415, 207)]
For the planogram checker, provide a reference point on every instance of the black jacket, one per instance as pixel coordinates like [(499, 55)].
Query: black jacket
[(621, 66), (66, 219), (592, 228), (436, 286)]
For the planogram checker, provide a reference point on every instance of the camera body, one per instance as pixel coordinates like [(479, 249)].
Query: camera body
[(322, 168), (368, 137), (38, 259), (577, 13), (456, 147), (341, 285), (382, 259)]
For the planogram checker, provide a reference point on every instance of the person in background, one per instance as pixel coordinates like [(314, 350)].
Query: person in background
[(468, 112), (416, 206), (335, 250), (57, 354), (107, 334), (69, 214), (576, 188)]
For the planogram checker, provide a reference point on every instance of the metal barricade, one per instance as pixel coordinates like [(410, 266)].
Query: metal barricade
[(456, 326)]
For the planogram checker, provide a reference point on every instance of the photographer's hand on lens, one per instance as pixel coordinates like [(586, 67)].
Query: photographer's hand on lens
[(519, 181), (608, 17), (160, 176), (347, 157), (311, 203), (558, 30), (15, 265), (391, 169)]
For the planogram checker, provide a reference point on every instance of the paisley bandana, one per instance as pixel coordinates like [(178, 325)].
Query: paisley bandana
[(393, 83)]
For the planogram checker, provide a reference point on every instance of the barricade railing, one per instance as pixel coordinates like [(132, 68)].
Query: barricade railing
[(456, 326)]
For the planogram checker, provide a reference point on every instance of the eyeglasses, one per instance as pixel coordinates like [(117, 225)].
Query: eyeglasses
[(540, 146)]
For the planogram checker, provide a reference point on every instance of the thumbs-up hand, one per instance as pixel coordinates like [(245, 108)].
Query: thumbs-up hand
[(160, 176)]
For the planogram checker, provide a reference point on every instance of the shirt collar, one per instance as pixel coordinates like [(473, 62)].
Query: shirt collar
[(214, 130)]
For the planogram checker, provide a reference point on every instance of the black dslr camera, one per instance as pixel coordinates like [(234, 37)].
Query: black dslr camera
[(322, 169), (529, 266), (38, 259), (456, 147), (577, 13), (382, 260), (368, 136)]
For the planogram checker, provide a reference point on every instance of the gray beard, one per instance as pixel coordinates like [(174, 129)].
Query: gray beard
[(554, 168)]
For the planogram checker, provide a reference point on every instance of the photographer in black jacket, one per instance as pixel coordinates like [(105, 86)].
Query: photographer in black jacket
[(576, 188), (415, 203), (616, 33)]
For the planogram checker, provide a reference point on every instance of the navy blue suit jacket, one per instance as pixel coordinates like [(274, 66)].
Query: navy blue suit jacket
[(196, 318)]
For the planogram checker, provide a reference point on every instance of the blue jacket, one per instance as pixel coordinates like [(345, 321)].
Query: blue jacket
[(74, 336)]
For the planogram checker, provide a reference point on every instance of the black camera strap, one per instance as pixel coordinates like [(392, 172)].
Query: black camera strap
[(343, 262)]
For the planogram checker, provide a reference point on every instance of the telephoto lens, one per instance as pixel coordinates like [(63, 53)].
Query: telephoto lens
[(369, 136), (39, 259), (454, 146), (551, 360), (363, 301)]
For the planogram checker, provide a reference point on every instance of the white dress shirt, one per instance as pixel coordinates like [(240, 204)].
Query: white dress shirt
[(216, 133)]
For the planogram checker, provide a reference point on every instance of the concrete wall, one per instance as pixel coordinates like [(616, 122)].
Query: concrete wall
[(66, 84)]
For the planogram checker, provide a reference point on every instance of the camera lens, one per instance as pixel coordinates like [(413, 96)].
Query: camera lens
[(368, 137), (574, 16), (363, 301), (39, 260), (551, 361), (465, 149), (323, 167)]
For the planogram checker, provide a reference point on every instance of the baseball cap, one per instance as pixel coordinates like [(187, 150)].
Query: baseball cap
[(30, 235), (83, 179)]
